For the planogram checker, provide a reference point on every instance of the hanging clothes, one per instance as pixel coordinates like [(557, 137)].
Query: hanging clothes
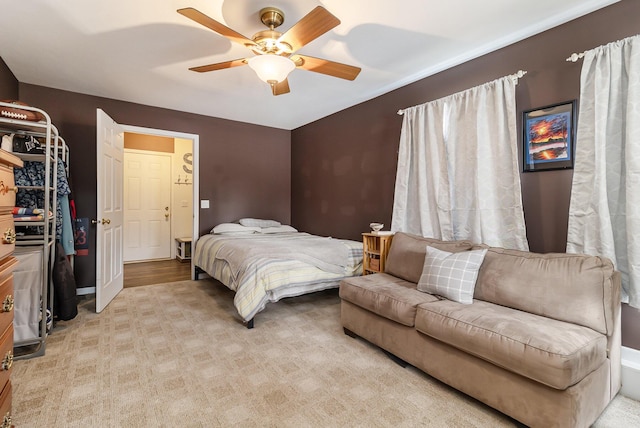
[(65, 306), (33, 174)]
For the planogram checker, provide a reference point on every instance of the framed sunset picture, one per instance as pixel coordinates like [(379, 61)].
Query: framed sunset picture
[(548, 141)]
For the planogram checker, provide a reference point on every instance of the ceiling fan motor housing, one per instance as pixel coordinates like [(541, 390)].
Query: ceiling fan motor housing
[(272, 17), (267, 40)]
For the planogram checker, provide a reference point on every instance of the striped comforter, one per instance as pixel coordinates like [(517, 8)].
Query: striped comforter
[(266, 268)]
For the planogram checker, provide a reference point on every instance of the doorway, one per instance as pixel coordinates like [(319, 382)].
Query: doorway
[(158, 208), (158, 196), (183, 203), (164, 176)]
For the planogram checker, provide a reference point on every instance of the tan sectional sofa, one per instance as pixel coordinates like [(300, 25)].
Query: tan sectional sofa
[(540, 342)]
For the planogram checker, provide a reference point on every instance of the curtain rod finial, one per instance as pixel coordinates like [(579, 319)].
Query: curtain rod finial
[(575, 57)]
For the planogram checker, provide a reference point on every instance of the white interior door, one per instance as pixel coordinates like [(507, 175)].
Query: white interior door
[(109, 261), (147, 207)]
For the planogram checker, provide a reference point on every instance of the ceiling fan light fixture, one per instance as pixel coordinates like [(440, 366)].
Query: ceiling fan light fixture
[(271, 69), (275, 51)]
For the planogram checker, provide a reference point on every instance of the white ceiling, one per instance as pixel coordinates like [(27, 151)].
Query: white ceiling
[(140, 50)]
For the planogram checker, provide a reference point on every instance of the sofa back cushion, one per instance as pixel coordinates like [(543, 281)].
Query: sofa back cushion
[(575, 288), (406, 255)]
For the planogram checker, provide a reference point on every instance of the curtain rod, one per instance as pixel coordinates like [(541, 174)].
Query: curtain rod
[(576, 56), (517, 75)]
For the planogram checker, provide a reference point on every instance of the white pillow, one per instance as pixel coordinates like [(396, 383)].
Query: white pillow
[(278, 229), (451, 275), (256, 222), (234, 228)]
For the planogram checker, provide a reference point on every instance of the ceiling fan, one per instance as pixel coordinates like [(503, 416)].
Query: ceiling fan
[(275, 52)]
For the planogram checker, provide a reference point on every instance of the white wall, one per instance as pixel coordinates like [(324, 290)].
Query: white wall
[(182, 204)]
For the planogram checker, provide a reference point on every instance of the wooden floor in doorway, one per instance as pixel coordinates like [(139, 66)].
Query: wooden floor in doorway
[(155, 272)]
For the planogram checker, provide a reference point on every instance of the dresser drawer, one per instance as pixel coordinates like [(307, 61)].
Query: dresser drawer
[(5, 406), (7, 235), (6, 292), (7, 189), (7, 265), (6, 354)]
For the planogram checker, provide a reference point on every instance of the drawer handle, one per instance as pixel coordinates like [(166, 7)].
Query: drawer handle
[(7, 422), (6, 189), (7, 304), (7, 361), (9, 236)]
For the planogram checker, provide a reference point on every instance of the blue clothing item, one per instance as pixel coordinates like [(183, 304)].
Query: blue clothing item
[(67, 240)]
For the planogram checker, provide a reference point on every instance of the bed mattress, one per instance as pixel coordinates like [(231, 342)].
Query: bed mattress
[(266, 268)]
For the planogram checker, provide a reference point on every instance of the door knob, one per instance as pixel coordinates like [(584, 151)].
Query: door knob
[(104, 221)]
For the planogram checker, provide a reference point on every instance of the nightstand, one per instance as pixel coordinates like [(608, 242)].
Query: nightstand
[(375, 251), (183, 249)]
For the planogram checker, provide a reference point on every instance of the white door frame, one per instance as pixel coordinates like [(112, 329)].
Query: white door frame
[(195, 138)]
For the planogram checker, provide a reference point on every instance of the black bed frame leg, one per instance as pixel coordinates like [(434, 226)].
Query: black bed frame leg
[(198, 271), (249, 324)]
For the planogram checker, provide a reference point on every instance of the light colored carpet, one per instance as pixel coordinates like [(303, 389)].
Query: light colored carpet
[(177, 355)]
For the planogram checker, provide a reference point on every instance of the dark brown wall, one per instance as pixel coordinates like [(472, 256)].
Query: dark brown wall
[(8, 83), (343, 166), (244, 169)]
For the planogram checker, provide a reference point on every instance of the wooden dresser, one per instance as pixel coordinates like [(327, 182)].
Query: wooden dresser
[(7, 264)]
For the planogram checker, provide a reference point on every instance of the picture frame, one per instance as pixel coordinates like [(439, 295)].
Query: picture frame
[(549, 137)]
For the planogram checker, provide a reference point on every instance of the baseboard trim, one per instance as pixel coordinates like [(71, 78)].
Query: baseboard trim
[(630, 373), (85, 290)]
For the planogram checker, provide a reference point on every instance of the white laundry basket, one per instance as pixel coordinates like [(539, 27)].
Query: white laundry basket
[(27, 289)]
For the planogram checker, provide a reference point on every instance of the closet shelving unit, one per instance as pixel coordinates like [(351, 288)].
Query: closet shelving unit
[(45, 131)]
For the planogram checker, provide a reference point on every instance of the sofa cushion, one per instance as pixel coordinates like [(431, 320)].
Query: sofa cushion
[(555, 353), (406, 255), (574, 288), (451, 275), (385, 295)]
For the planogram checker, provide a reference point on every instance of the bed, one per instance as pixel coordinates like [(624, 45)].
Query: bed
[(266, 264)]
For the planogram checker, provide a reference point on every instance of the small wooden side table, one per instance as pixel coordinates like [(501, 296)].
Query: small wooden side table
[(375, 251)]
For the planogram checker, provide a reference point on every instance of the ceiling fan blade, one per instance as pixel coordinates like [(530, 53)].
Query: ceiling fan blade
[(219, 65), (214, 25), (324, 66), (310, 27), (281, 88)]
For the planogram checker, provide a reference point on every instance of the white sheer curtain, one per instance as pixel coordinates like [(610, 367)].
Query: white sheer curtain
[(458, 174), (604, 213)]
